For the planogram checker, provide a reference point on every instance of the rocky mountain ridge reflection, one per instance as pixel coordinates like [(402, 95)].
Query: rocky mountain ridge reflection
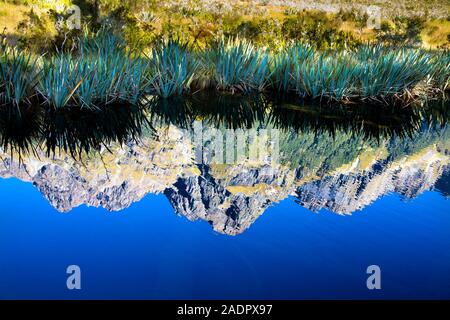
[(336, 158)]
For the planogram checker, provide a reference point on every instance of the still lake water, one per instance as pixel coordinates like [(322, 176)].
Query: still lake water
[(143, 206)]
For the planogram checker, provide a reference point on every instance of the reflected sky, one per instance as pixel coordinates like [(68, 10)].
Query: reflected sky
[(289, 253)]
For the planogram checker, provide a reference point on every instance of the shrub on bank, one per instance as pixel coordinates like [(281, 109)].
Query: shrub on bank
[(105, 71)]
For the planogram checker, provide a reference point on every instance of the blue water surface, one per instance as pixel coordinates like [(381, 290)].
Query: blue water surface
[(148, 252)]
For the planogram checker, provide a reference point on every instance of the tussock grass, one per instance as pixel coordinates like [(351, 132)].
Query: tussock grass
[(103, 73), (370, 72), (239, 66), (18, 76), (171, 70), (440, 71)]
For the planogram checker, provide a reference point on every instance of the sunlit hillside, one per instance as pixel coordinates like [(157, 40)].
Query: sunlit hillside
[(326, 23)]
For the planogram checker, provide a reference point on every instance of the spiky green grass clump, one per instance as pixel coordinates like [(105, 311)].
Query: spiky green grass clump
[(383, 71), (172, 69), (440, 71), (240, 66), (284, 63), (325, 76), (105, 71), (55, 85), (369, 72), (18, 76)]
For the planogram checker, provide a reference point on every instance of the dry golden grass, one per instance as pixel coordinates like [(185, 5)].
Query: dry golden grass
[(435, 33), (365, 34)]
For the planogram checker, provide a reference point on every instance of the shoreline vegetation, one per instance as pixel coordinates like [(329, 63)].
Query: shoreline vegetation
[(104, 70), (128, 53)]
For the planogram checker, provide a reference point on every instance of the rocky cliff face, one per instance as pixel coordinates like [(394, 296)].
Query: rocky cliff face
[(229, 197), (111, 180), (229, 203)]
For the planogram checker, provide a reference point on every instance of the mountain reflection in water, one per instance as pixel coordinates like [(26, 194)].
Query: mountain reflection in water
[(338, 158)]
